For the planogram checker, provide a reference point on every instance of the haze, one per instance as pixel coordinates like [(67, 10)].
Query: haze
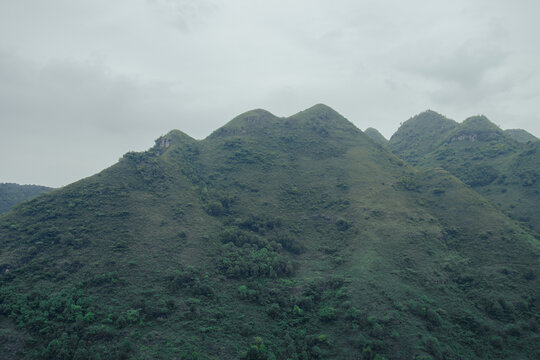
[(82, 83)]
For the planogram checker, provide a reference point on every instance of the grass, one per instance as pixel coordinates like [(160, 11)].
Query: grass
[(480, 154), (287, 238), (12, 194)]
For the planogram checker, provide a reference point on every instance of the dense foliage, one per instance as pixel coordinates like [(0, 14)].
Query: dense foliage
[(274, 238), (12, 194), (490, 160)]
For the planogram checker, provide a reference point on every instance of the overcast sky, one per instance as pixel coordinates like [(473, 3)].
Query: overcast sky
[(83, 82)]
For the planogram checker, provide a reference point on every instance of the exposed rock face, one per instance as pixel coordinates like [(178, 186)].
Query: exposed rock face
[(471, 137), (164, 143)]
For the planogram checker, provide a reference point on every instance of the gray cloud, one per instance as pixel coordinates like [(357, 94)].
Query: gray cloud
[(183, 14), (466, 65), (81, 83), (66, 112)]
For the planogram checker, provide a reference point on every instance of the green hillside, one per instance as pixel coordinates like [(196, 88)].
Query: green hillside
[(483, 156), (273, 238), (420, 135), (12, 194), (376, 136), (520, 135)]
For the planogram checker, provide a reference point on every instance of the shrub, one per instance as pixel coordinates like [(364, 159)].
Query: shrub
[(274, 311), (377, 330), (407, 183), (432, 346), (214, 208), (327, 314), (343, 225), (242, 291), (433, 317), (297, 311), (496, 342), (258, 351), (133, 315)]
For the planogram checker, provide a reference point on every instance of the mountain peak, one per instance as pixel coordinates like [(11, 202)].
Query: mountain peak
[(420, 134), (262, 122), (429, 117), (172, 138), (255, 116), (475, 128), (249, 122), (424, 124), (272, 232), (321, 107), (430, 112), (480, 122), (376, 136), (255, 113), (323, 117), (520, 135), (320, 111)]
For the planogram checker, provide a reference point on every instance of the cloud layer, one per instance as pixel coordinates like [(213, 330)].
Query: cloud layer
[(81, 83)]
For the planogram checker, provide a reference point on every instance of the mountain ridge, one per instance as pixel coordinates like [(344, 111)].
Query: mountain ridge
[(295, 238), (12, 194), (433, 125), (484, 157), (521, 135)]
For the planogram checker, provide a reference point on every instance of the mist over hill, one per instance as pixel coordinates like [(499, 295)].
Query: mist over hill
[(273, 238)]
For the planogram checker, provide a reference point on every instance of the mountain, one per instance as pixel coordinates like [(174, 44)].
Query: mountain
[(12, 194), (480, 154), (520, 135), (420, 135), (273, 238), (376, 136)]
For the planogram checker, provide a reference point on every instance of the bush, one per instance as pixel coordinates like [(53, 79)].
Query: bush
[(496, 341), (214, 208), (248, 261), (433, 317), (407, 183), (274, 311), (297, 311), (258, 351), (327, 314), (343, 225), (432, 346)]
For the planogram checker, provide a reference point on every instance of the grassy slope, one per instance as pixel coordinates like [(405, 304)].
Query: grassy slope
[(12, 194), (290, 237), (484, 157), (520, 135), (420, 135)]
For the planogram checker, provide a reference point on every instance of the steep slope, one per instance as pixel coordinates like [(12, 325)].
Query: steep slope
[(281, 238), (520, 135), (484, 157), (420, 135), (12, 194), (376, 136)]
